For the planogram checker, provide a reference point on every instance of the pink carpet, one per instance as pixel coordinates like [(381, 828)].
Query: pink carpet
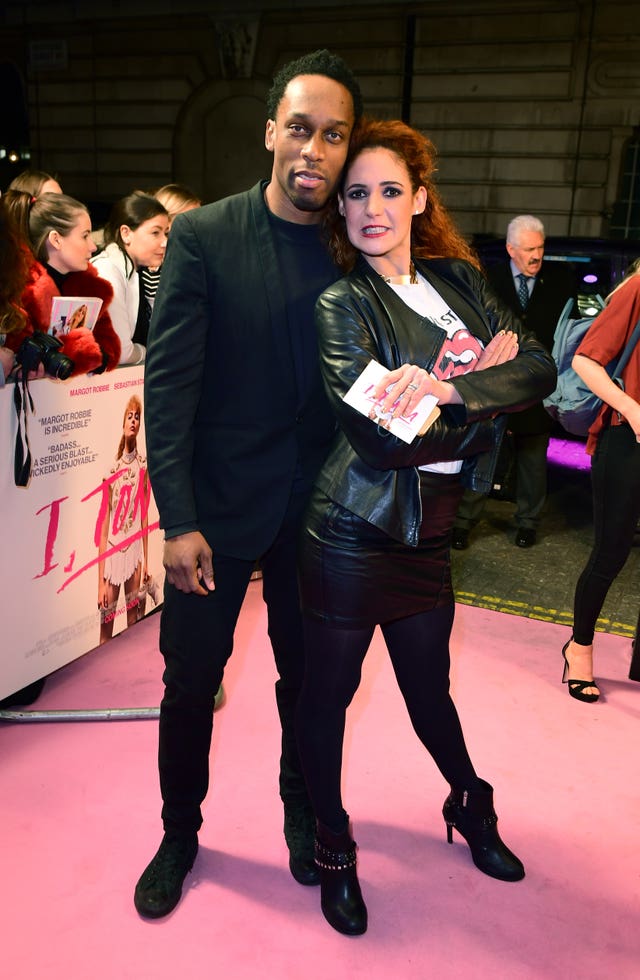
[(80, 820)]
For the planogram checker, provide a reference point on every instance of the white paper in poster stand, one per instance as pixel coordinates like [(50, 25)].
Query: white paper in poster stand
[(361, 396), (50, 552)]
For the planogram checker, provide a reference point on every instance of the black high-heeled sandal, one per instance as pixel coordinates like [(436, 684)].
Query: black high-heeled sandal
[(577, 688)]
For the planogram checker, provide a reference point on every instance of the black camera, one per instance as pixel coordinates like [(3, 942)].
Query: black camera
[(43, 348)]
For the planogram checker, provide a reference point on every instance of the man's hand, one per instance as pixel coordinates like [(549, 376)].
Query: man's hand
[(188, 561)]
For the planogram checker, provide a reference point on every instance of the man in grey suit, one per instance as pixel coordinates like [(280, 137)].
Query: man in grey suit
[(237, 425), (537, 291)]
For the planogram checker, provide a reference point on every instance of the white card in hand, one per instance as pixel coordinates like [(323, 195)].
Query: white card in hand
[(361, 396)]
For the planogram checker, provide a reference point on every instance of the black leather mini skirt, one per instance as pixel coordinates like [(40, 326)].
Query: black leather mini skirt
[(353, 575)]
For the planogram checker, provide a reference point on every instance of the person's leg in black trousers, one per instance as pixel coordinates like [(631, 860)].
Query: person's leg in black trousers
[(333, 669), (615, 480), (634, 666), (531, 478), (418, 646), (470, 509), (334, 660), (196, 640), (419, 651), (280, 591)]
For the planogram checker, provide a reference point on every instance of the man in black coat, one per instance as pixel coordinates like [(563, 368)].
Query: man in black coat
[(237, 425), (537, 291)]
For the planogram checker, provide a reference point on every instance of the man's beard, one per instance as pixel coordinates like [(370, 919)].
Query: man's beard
[(302, 202)]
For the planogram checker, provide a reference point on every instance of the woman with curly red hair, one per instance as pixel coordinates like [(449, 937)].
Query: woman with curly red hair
[(13, 262), (434, 234), (56, 230), (376, 545)]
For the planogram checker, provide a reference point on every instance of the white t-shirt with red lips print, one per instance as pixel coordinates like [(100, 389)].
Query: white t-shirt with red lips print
[(460, 351)]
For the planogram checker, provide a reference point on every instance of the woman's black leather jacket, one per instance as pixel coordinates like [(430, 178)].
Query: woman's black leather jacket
[(371, 472)]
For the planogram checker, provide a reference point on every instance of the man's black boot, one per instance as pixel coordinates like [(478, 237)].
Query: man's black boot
[(300, 833), (160, 887), (459, 538)]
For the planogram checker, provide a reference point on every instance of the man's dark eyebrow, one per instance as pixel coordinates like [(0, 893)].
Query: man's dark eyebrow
[(332, 124)]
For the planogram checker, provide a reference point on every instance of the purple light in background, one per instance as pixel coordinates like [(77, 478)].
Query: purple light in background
[(590, 278), (568, 452)]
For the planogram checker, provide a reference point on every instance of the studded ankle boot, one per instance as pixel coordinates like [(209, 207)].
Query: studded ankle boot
[(340, 895), (471, 813)]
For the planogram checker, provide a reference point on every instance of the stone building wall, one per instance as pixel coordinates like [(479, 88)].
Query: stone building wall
[(531, 103)]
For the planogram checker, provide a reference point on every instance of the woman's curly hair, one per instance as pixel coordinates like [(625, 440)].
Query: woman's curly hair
[(434, 234), (15, 267)]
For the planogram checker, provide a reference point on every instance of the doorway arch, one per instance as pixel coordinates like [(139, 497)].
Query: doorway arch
[(219, 142)]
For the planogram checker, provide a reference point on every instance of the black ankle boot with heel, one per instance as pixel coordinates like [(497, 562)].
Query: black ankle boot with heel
[(340, 896), (471, 813)]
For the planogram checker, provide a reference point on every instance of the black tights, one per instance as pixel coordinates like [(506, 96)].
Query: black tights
[(419, 650)]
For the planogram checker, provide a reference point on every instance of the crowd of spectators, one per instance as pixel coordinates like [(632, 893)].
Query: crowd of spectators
[(48, 248)]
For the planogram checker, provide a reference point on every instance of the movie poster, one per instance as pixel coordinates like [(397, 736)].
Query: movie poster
[(82, 551)]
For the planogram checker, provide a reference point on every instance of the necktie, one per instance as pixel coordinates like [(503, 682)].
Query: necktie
[(523, 291)]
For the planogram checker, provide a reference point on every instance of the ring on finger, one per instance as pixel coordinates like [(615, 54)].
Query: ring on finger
[(412, 387)]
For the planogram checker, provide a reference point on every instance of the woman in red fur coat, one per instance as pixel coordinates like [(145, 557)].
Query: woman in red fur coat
[(57, 230)]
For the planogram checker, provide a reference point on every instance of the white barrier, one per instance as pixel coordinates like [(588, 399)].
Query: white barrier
[(50, 529)]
